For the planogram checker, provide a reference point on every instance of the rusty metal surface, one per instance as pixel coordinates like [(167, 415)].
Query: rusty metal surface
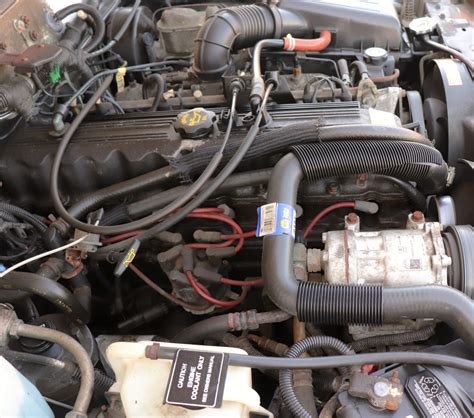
[(31, 59), (23, 24)]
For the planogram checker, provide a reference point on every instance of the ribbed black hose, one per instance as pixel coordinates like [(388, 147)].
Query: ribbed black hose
[(277, 263), (99, 24), (24, 215), (340, 304), (374, 305), (279, 140), (229, 322), (404, 338), (47, 289), (302, 299), (102, 382), (286, 376), (233, 28), (7, 216), (420, 163)]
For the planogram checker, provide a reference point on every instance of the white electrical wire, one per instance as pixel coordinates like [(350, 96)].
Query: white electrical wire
[(37, 257)]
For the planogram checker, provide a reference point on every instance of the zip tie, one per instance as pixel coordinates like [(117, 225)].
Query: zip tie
[(291, 45)]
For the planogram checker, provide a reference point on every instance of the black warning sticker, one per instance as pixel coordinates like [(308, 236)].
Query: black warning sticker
[(431, 397), (197, 379)]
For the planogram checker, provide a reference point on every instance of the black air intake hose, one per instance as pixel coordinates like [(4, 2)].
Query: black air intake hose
[(274, 141), (340, 304), (240, 27), (350, 304), (422, 164)]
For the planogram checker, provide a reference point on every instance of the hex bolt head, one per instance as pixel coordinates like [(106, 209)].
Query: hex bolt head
[(197, 94), (34, 35), (25, 19), (418, 216), (352, 218), (381, 389), (332, 188)]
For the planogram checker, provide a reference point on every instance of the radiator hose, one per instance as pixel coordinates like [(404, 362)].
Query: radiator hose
[(342, 305)]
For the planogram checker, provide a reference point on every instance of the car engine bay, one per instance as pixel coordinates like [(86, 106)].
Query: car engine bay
[(237, 209)]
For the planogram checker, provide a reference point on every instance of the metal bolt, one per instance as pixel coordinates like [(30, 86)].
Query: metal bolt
[(352, 218), (197, 94), (418, 216), (297, 71), (25, 19), (381, 389), (395, 377), (332, 188), (34, 35)]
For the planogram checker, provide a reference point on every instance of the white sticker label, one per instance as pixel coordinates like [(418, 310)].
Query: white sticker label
[(276, 219), (268, 220)]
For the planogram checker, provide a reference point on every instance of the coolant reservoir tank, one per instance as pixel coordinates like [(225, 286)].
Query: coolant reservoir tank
[(19, 397), (143, 383)]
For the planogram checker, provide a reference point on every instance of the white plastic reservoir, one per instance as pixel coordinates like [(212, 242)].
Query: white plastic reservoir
[(142, 384), (18, 397)]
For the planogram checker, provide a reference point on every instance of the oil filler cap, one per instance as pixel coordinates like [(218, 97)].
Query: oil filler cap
[(195, 123)]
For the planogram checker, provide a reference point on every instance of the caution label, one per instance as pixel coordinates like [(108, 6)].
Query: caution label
[(197, 379)]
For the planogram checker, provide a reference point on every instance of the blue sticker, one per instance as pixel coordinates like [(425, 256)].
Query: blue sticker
[(276, 219)]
